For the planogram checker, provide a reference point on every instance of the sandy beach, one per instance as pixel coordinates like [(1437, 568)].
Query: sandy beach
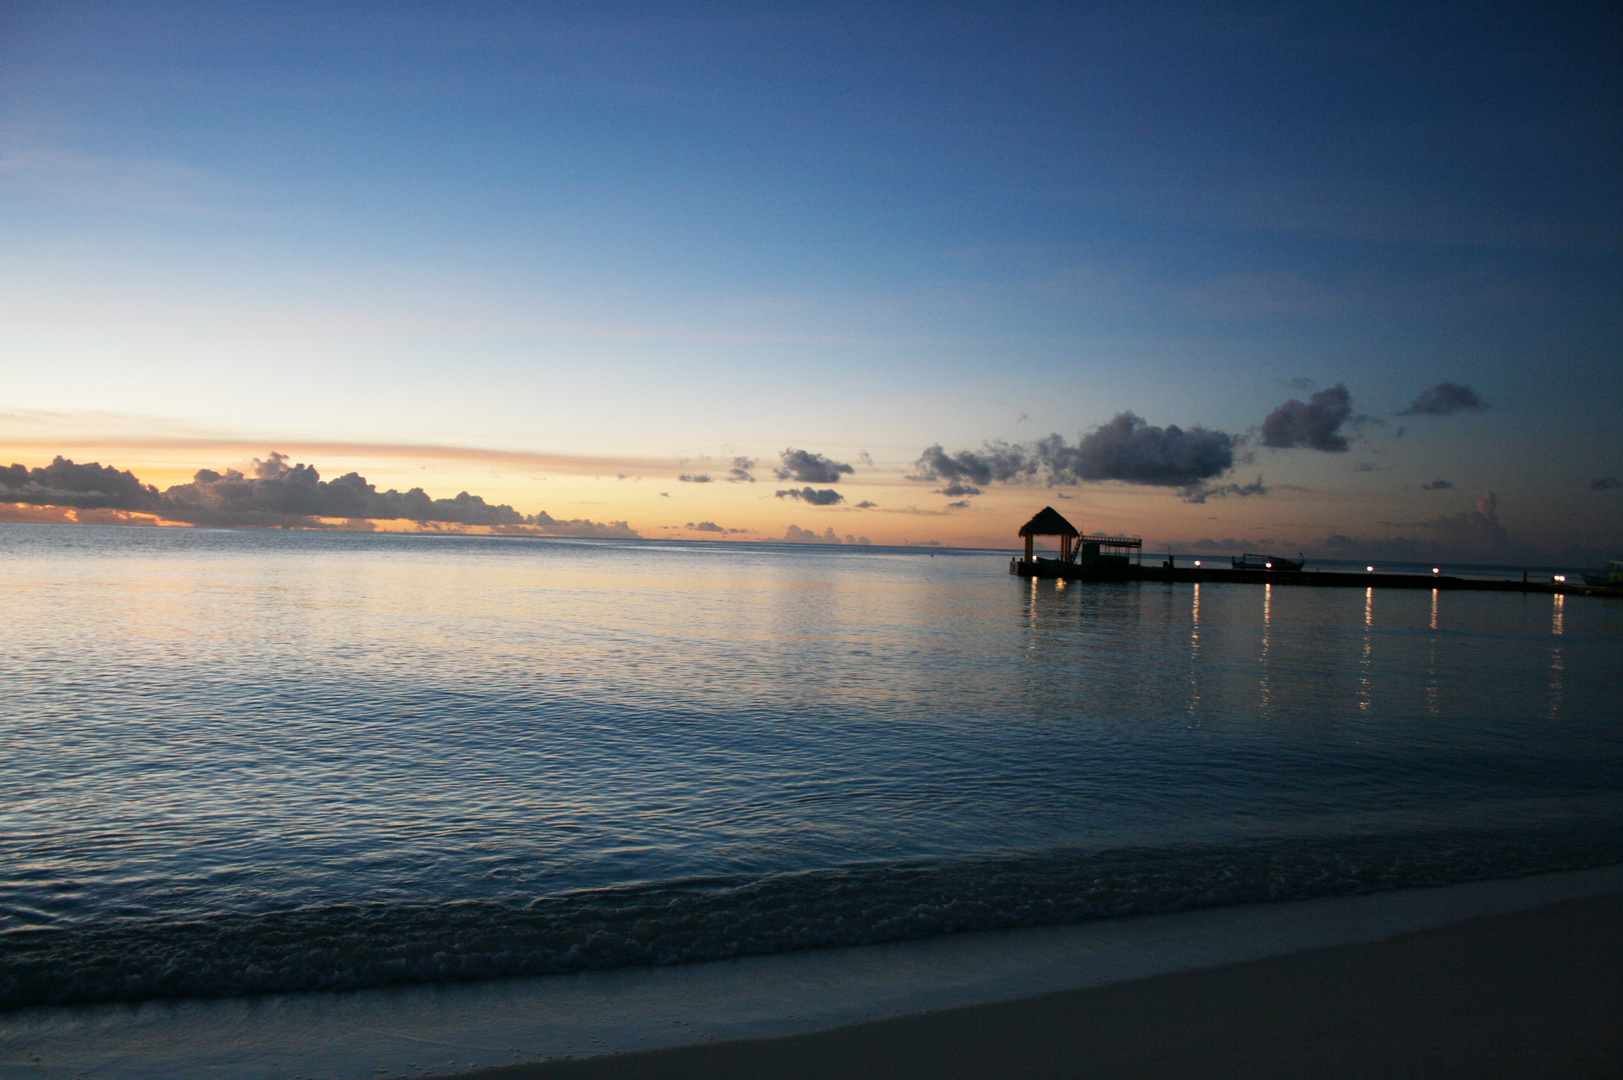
[(1532, 994)]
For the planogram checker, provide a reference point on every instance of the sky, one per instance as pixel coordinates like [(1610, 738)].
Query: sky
[(1356, 272)]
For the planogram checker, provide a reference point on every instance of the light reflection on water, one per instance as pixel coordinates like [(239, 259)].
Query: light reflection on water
[(198, 723)]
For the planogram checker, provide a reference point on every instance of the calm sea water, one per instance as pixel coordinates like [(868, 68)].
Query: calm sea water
[(234, 762)]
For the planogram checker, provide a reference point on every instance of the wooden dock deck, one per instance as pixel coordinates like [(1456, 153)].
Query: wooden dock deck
[(1071, 571)]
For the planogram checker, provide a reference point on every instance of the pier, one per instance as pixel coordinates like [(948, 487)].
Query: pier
[(1119, 558)]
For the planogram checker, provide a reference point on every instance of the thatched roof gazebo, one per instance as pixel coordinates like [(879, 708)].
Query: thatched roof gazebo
[(1049, 522)]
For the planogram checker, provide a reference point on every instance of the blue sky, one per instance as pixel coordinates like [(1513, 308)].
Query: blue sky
[(626, 239)]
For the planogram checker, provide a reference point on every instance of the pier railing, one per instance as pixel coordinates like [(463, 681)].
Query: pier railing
[(1111, 541)]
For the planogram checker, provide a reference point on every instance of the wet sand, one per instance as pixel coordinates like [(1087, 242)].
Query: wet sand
[(1537, 993)]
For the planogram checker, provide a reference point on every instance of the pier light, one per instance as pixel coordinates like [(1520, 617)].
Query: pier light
[(1369, 569), (1561, 577), (1436, 570), (1269, 566), (1197, 562)]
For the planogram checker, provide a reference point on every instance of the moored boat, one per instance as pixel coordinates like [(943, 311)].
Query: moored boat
[(1250, 561), (1612, 576)]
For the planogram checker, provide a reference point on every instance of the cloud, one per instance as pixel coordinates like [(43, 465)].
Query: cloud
[(809, 468), (552, 526), (1393, 549), (1126, 449), (1476, 529), (89, 486), (705, 526), (1199, 493), (1364, 466), (995, 461), (298, 490), (796, 535), (25, 431), (866, 505), (128, 183), (824, 497), (1605, 483), (1131, 450), (1315, 424), (1438, 485), (741, 472), (700, 478), (962, 504), (1443, 399), (276, 493)]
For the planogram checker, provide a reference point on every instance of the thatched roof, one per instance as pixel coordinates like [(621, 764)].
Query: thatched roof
[(1048, 522)]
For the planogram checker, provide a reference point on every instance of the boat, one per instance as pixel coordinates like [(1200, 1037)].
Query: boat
[(1275, 563), (1612, 576)]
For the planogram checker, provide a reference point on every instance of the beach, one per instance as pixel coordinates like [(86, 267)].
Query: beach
[(1533, 993)]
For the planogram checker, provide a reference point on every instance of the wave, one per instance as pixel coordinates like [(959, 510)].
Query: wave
[(360, 945)]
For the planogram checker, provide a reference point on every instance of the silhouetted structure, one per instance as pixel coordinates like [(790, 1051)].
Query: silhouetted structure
[(1103, 558), (1078, 552), (1049, 522)]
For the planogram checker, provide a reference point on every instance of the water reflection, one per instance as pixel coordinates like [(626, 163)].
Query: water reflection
[(1194, 651), (1433, 691), (1558, 665), (1366, 688), (1267, 627)]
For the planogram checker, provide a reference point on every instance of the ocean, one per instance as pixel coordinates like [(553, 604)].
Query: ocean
[(247, 762)]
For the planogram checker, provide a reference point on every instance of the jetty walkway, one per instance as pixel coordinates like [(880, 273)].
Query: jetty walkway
[(1073, 571)]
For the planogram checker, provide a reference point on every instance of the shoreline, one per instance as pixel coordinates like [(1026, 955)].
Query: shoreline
[(531, 1023), (1532, 993)]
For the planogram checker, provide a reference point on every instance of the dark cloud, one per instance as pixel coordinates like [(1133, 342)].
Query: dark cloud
[(962, 504), (272, 492), (1364, 466), (809, 468), (742, 471), (1301, 383), (994, 461), (66, 483), (1443, 399), (1127, 449), (866, 505), (1131, 450), (1199, 493), (824, 497), (1315, 423), (1600, 483), (699, 478), (1438, 485), (275, 487), (705, 526)]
